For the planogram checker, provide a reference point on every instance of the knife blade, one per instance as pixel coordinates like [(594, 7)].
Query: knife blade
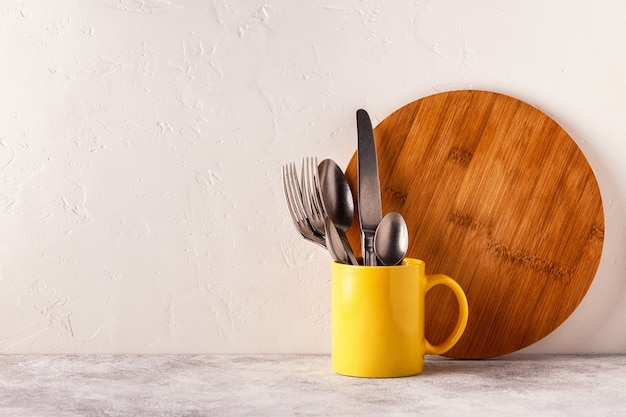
[(370, 206)]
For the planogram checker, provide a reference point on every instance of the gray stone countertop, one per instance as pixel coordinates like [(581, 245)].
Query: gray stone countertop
[(303, 385)]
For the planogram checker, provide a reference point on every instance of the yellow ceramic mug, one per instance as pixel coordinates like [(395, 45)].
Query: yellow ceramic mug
[(378, 318)]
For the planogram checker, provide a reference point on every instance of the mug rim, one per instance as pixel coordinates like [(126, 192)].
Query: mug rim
[(407, 261)]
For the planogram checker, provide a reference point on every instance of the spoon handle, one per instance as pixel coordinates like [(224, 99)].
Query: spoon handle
[(349, 251)]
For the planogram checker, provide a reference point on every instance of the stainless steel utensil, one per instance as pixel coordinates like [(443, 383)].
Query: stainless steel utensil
[(306, 209), (311, 195), (392, 239), (334, 244), (370, 207), (295, 206), (337, 200)]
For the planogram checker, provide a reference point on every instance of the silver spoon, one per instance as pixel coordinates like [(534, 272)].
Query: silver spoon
[(392, 239), (337, 201)]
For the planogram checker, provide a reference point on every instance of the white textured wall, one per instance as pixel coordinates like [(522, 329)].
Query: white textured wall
[(141, 142)]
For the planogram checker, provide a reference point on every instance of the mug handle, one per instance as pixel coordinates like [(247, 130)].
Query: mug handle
[(461, 323)]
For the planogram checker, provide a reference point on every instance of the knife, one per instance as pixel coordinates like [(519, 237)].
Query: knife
[(370, 207)]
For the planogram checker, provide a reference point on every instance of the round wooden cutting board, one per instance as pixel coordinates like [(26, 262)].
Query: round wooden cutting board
[(498, 196)]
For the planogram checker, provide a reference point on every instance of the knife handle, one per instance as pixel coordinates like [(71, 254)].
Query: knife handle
[(369, 257)]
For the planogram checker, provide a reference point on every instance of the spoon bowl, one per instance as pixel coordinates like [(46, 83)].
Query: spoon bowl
[(391, 240), (336, 195), (337, 201)]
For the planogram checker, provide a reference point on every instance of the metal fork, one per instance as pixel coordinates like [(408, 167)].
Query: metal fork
[(316, 213), (311, 195), (295, 205)]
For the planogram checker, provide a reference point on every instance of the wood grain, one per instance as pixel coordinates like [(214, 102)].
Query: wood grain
[(498, 196)]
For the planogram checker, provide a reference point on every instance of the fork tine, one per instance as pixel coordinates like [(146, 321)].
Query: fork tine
[(306, 188), (297, 190), (295, 204), (316, 188), (313, 207), (293, 199), (287, 192)]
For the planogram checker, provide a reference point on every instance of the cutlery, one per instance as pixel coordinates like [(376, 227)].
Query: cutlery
[(307, 213), (295, 205), (337, 200), (370, 207), (334, 243), (311, 195), (391, 240)]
